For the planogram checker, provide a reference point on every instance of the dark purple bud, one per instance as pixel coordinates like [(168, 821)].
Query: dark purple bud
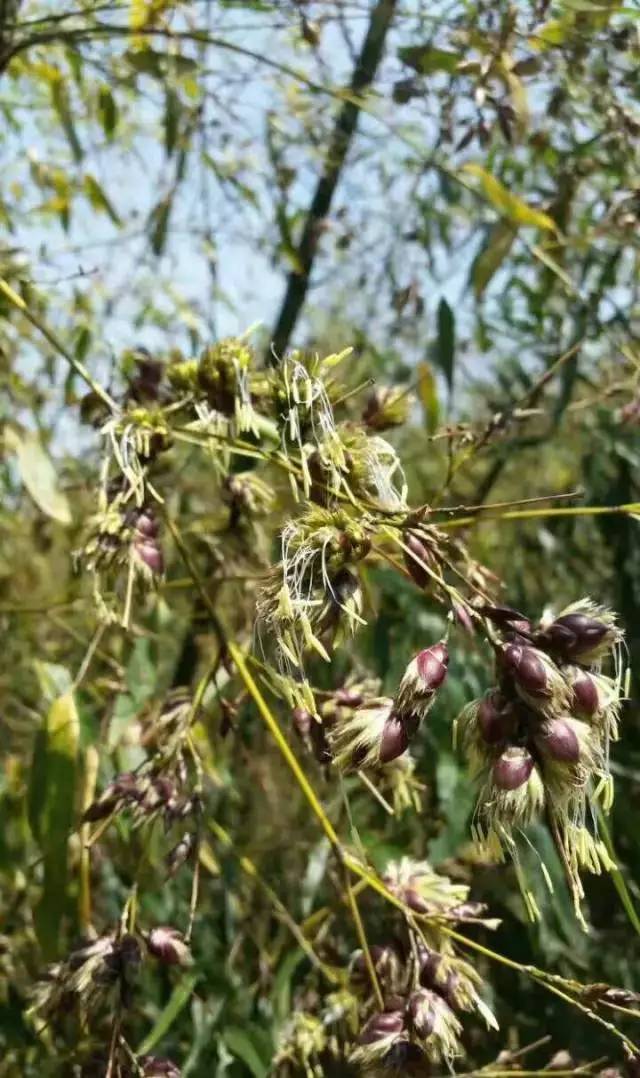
[(320, 743), (430, 962), (419, 575), (348, 698), (576, 634), (559, 740), (395, 739), (147, 524), (495, 719), (379, 1026), (527, 669), (432, 666), (168, 945), (422, 1011), (505, 617), (155, 1067), (129, 951), (585, 695), (512, 769), (302, 720), (150, 555), (463, 617), (100, 809)]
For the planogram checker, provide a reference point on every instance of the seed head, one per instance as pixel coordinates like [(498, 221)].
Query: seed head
[(374, 735), (559, 740), (422, 679), (536, 677), (584, 632), (168, 946), (381, 1033), (155, 1067), (496, 718), (149, 556), (512, 769), (416, 552)]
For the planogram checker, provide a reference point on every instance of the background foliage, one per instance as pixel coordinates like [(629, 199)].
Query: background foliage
[(451, 188)]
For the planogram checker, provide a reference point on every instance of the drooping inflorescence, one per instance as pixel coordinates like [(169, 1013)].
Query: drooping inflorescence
[(539, 739)]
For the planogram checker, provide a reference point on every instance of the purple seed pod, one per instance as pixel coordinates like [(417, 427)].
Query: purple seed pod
[(129, 952), (168, 945), (421, 680), (150, 555), (463, 618), (155, 1067), (302, 720), (496, 720), (505, 617), (527, 668), (582, 634), (348, 697), (432, 666), (146, 524), (430, 963), (100, 809), (394, 740), (382, 1025), (585, 698), (320, 743), (418, 574), (423, 1009), (512, 769), (558, 739)]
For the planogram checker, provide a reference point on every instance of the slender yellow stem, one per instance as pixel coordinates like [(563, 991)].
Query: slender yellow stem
[(559, 511)]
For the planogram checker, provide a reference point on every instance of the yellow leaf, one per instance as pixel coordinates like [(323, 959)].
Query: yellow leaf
[(508, 204), (428, 394)]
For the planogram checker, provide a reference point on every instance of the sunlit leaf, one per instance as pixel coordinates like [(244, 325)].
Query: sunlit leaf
[(99, 199), (159, 222), (107, 111), (427, 58), (52, 810), (38, 474), (177, 1002), (427, 390), (251, 1045), (62, 105), (508, 204), (492, 254)]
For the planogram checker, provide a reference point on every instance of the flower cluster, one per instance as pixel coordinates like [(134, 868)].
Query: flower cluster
[(540, 738), (426, 985), (425, 989)]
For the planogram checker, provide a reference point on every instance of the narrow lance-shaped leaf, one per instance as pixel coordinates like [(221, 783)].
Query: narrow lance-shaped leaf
[(52, 812), (38, 474), (428, 395), (445, 343), (508, 204), (491, 256)]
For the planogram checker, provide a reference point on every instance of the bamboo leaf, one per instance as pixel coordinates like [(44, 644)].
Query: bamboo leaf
[(98, 198), (508, 204), (159, 221), (177, 1002), (38, 474), (491, 256), (428, 395), (445, 343), (426, 58), (51, 812), (107, 111), (250, 1044), (61, 104)]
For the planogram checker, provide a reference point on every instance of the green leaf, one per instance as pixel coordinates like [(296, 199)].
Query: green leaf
[(107, 111), (61, 104), (250, 1044), (38, 474), (51, 812), (492, 255), (177, 1001), (172, 110), (98, 198), (426, 58), (159, 222), (508, 204), (445, 343), (428, 395), (141, 672)]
